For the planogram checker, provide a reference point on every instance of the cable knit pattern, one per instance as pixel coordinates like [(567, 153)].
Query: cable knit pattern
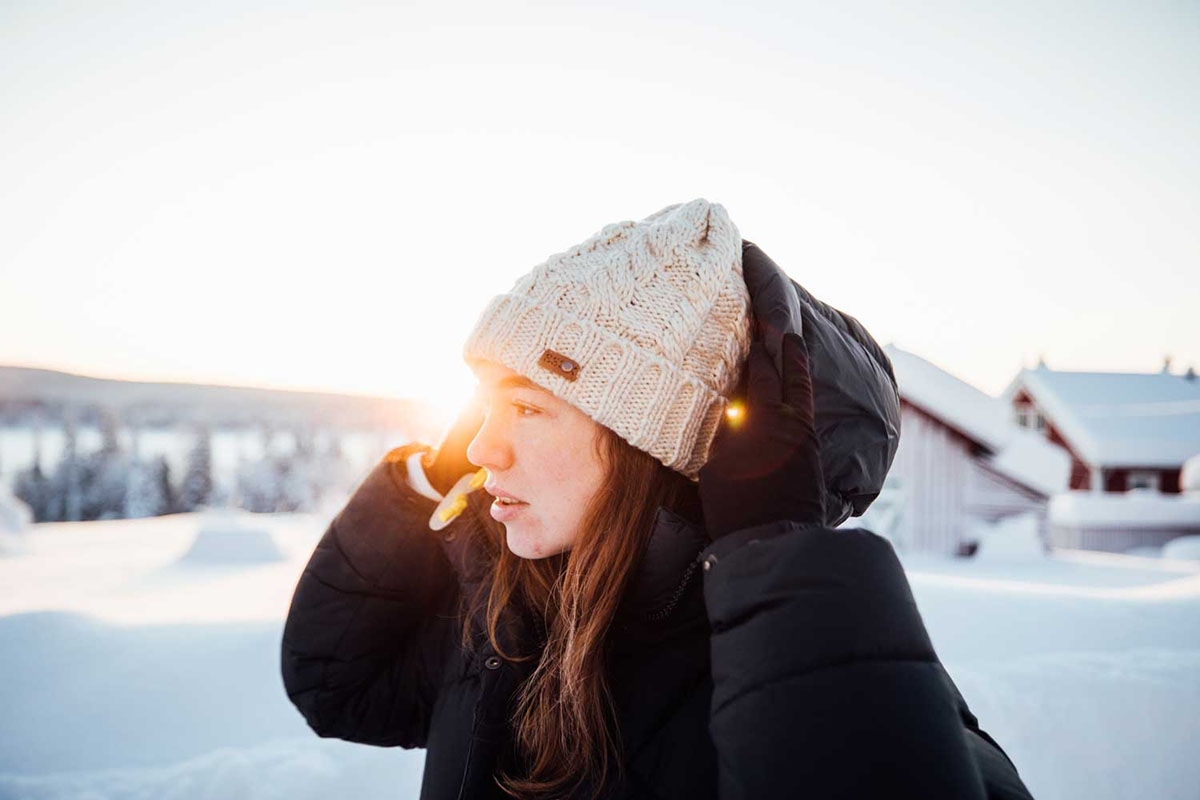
[(653, 318)]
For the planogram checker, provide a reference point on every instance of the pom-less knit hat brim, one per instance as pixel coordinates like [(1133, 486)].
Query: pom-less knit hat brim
[(644, 327)]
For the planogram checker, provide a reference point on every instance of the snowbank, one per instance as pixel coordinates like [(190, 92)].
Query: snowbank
[(1187, 547), (223, 540), (1015, 538), (1138, 508), (15, 515), (187, 711), (231, 544), (126, 676), (15, 518), (1189, 477), (301, 768)]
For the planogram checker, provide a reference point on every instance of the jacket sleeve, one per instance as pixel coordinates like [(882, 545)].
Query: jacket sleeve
[(372, 619), (826, 683)]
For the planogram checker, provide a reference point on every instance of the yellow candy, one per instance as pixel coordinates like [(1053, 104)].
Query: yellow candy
[(455, 501), (454, 509), (478, 479)]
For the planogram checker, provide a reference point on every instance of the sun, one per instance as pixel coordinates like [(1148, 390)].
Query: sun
[(444, 389)]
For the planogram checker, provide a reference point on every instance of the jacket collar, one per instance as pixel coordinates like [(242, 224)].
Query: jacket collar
[(666, 570)]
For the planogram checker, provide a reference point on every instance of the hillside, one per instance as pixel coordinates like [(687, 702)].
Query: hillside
[(53, 395)]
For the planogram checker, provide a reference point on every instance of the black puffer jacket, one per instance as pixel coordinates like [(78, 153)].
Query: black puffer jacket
[(781, 661)]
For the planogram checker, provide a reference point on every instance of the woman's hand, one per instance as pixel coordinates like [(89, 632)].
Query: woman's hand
[(765, 464), (445, 465)]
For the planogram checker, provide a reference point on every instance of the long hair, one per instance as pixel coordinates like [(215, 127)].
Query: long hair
[(564, 728)]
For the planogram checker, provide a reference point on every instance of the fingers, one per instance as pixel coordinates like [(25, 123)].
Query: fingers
[(769, 292), (797, 377), (450, 460), (763, 384)]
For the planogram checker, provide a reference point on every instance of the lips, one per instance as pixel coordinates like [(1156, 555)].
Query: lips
[(506, 506), (500, 494)]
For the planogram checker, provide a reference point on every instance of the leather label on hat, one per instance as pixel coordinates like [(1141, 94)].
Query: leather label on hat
[(559, 364)]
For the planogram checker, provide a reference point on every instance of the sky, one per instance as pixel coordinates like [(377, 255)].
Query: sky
[(325, 196)]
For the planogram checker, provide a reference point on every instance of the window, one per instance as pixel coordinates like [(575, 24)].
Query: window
[(1028, 416), (1142, 479)]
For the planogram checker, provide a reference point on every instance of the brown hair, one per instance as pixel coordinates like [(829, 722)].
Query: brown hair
[(563, 713)]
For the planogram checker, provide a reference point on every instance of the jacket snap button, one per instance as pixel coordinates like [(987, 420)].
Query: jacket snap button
[(708, 563), (492, 663)]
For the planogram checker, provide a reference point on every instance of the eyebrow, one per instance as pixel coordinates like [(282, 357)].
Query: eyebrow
[(518, 382)]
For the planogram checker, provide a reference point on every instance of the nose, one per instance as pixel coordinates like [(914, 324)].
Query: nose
[(491, 446)]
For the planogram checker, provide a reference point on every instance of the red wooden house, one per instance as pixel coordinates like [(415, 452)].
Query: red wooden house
[(1128, 436), (1123, 430)]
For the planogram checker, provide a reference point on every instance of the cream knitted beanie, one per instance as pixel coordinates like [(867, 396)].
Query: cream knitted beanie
[(644, 327)]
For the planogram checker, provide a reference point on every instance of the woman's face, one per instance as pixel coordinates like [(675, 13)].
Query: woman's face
[(540, 452)]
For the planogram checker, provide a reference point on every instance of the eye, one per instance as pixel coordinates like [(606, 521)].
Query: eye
[(524, 410)]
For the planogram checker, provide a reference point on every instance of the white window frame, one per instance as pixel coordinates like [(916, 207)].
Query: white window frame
[(1149, 477)]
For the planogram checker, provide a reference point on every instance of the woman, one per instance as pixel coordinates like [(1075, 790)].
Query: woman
[(648, 599)]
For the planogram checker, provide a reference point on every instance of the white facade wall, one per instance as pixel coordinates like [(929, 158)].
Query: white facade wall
[(933, 468), (1115, 539), (947, 489)]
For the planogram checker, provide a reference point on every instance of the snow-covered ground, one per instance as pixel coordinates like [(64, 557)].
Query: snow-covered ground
[(140, 660)]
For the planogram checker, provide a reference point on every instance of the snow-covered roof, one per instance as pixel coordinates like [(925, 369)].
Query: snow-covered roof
[(1119, 419), (1030, 459), (955, 402), (1023, 456), (1145, 508)]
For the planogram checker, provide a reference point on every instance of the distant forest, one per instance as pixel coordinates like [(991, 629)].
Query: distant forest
[(117, 481), (114, 483)]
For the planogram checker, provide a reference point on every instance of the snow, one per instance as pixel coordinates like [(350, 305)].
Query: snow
[(15, 518), (1119, 419), (229, 542), (1189, 477), (1183, 547), (1014, 538), (128, 674), (15, 515), (957, 403), (1029, 459), (1140, 508)]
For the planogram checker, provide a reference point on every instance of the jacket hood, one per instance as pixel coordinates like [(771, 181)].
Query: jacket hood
[(855, 398)]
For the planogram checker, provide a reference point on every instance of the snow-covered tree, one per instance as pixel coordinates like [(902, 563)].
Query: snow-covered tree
[(105, 473), (283, 481), (197, 487), (110, 425), (259, 485), (297, 492), (66, 500), (171, 497), (146, 491), (32, 487)]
